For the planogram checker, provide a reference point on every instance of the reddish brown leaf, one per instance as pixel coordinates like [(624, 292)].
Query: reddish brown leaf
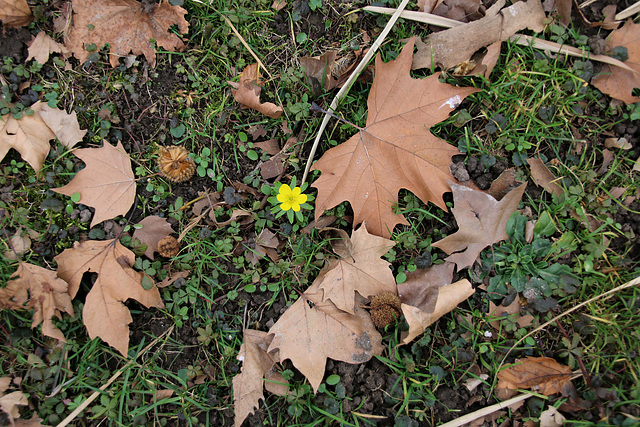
[(615, 81), (540, 374), (247, 92), (107, 182), (543, 177), (154, 229), (482, 221), (126, 26), (104, 313), (395, 150)]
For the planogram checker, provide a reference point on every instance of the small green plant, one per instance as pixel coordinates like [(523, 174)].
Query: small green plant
[(524, 267)]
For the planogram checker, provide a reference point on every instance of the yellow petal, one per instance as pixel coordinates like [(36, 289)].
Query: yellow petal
[(284, 189), (296, 207), (286, 206)]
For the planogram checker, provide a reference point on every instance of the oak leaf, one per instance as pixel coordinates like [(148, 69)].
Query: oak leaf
[(38, 288), (42, 46), (154, 229), (615, 81), (15, 13), (540, 374), (360, 269), (482, 221), (429, 294), (247, 92), (395, 150), (104, 313), (30, 134), (107, 182), (256, 362), (126, 26)]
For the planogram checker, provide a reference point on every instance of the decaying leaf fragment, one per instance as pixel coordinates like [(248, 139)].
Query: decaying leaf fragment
[(395, 150), (615, 81), (104, 313), (453, 46), (9, 402), (126, 26), (540, 374), (429, 294), (107, 182), (256, 362), (482, 221), (42, 46), (154, 229), (40, 289), (247, 92), (15, 13)]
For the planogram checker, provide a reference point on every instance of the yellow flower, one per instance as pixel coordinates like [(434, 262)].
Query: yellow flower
[(290, 199)]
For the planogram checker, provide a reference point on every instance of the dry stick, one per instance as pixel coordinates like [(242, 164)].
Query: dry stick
[(634, 8), (246, 45), (115, 376), (466, 419), (520, 39), (343, 91)]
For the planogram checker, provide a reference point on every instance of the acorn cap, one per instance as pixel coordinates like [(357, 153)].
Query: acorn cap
[(175, 164)]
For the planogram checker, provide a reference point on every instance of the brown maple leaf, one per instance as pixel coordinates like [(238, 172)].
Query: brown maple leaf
[(256, 362), (104, 313), (395, 150), (107, 182), (615, 81), (247, 92), (482, 221), (429, 294), (42, 46), (41, 290), (30, 134), (154, 229), (360, 269), (126, 26), (15, 13), (311, 330), (540, 374)]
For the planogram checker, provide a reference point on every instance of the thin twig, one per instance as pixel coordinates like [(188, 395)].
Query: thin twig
[(246, 45), (483, 412), (634, 8), (365, 61)]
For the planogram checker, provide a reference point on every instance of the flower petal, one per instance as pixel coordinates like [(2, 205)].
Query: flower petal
[(295, 191), (296, 207), (284, 189), (302, 198), (285, 206)]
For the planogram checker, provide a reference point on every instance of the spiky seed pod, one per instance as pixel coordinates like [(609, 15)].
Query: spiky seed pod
[(175, 164), (386, 308), (168, 247)]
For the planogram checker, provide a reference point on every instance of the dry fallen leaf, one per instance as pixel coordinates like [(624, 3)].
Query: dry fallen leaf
[(104, 313), (453, 46), (265, 244), (428, 295), (9, 402), (15, 13), (482, 221), (154, 229), (361, 269), (247, 92), (42, 46), (540, 374), (256, 362), (126, 26), (543, 177), (615, 81), (41, 290), (310, 331), (460, 10), (551, 418), (30, 134), (395, 150), (319, 69), (107, 182)]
